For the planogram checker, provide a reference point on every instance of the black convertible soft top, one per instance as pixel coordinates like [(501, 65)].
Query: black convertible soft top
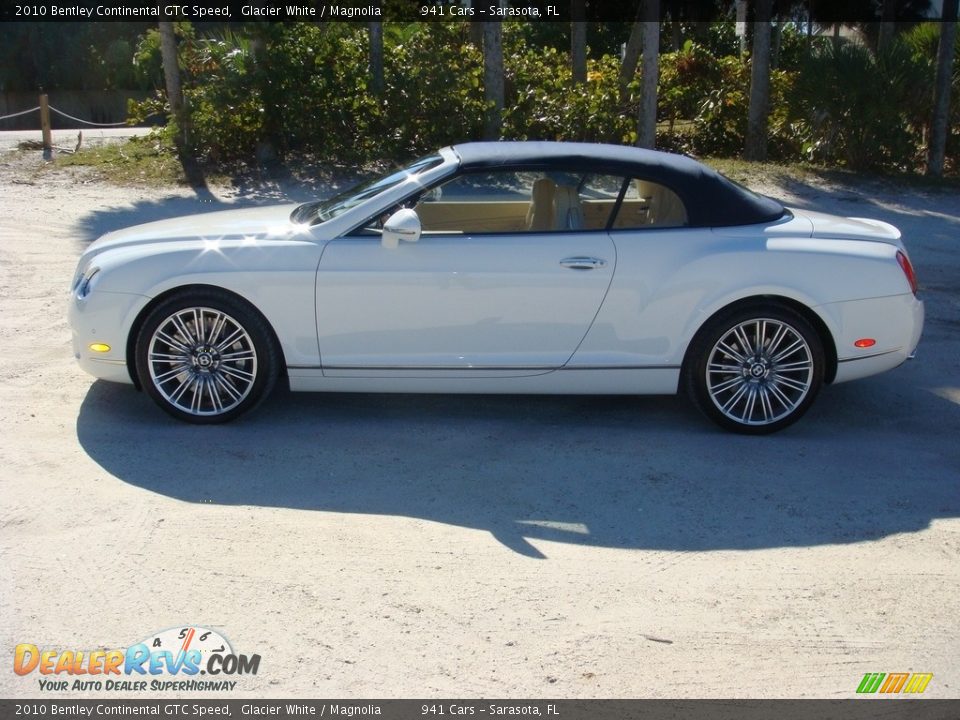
[(711, 199)]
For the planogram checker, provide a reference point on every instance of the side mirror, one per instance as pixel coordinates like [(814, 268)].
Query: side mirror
[(402, 225)]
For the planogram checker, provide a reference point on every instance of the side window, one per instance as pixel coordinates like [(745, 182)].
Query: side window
[(649, 205), (598, 196), (511, 201)]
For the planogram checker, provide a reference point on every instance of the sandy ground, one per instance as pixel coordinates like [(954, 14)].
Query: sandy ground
[(10, 139), (380, 546)]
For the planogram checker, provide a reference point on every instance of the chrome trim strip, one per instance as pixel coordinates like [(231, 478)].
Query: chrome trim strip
[(423, 367), (620, 367), (871, 355), (105, 361), (485, 368)]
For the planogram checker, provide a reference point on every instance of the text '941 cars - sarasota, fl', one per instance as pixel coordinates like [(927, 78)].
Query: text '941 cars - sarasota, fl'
[(507, 267)]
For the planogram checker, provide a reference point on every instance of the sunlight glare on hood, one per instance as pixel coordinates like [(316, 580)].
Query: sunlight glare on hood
[(210, 245), (281, 230)]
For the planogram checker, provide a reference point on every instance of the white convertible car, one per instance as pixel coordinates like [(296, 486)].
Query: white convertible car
[(508, 267)]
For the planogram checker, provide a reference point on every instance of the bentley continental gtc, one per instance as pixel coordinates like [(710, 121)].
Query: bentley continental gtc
[(504, 267)]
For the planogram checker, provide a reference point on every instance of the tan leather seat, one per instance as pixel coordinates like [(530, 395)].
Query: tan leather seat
[(567, 211), (665, 209), (540, 213)]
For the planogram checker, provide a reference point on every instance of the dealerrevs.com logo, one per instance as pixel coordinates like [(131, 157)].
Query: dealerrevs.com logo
[(171, 660)]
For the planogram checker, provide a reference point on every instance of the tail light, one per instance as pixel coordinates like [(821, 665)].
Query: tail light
[(907, 268)]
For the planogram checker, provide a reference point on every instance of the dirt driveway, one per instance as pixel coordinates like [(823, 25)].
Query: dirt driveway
[(378, 546)]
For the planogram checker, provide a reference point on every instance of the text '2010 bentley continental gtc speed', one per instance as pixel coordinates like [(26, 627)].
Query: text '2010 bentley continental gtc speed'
[(504, 267)]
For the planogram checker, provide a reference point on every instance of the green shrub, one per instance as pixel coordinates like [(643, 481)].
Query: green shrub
[(853, 107), (223, 105), (315, 92), (924, 43), (686, 78), (721, 120), (434, 90), (544, 104), (275, 88), (305, 87)]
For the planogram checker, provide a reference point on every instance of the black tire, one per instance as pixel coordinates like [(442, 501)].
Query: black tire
[(752, 387), (212, 375)]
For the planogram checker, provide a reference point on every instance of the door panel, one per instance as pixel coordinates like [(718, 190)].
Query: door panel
[(459, 302)]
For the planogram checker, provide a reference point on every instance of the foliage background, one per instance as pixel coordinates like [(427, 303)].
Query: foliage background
[(260, 91)]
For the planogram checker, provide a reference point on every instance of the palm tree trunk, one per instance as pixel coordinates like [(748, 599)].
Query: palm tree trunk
[(171, 74), (676, 36), (631, 55), (475, 29), (493, 78), (376, 57), (741, 10), (941, 98), (888, 16), (647, 120), (578, 41), (756, 145), (777, 38)]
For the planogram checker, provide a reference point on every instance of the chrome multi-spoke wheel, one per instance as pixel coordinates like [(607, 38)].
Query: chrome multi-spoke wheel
[(205, 358), (202, 361), (757, 372)]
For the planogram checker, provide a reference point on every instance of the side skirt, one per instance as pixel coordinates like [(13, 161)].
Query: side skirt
[(659, 380)]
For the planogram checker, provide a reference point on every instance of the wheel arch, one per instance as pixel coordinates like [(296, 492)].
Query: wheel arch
[(805, 311), (145, 311)]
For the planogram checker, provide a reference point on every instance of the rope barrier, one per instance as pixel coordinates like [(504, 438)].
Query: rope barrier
[(86, 122), (71, 117), (16, 114)]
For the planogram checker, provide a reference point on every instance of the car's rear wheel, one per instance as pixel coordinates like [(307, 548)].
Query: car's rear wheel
[(206, 356), (756, 370)]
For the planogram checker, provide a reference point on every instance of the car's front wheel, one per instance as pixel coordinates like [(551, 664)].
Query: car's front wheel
[(206, 356), (756, 371)]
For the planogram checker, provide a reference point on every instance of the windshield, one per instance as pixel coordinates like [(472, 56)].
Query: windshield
[(320, 211)]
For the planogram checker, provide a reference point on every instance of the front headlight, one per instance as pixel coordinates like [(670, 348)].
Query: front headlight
[(85, 285), (78, 276)]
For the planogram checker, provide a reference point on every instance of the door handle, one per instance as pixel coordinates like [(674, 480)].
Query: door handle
[(583, 263)]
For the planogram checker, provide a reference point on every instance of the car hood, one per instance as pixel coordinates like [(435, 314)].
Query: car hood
[(849, 228), (258, 223)]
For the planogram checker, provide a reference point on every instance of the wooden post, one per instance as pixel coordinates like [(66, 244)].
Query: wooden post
[(45, 126)]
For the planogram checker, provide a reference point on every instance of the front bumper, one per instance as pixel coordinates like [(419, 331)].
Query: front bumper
[(103, 317)]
